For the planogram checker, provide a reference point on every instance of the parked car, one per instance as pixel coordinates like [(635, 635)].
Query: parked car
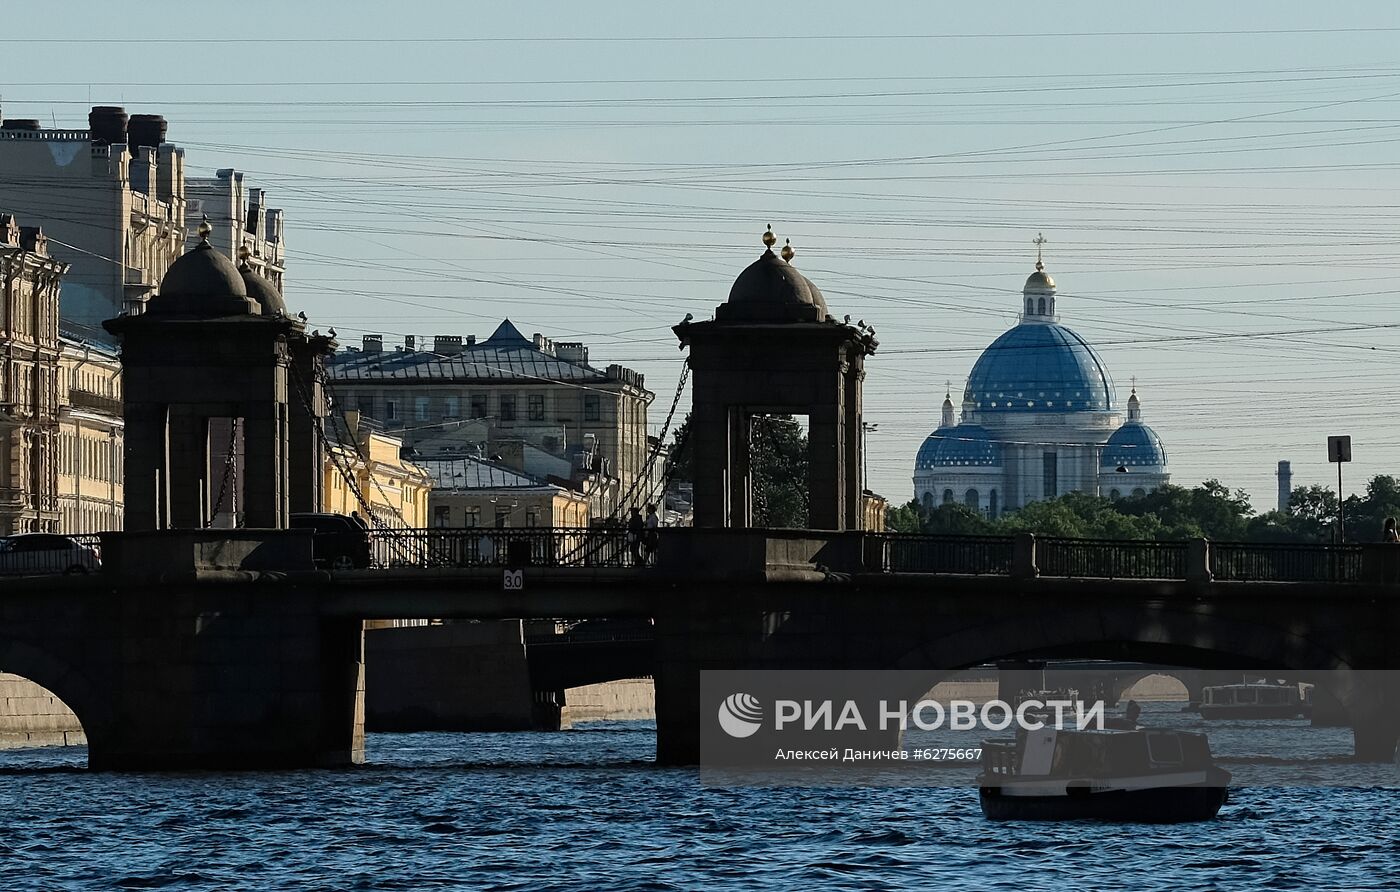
[(27, 553), (339, 542)]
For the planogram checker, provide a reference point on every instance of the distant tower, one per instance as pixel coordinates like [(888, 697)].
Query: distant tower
[(1285, 485), (947, 420)]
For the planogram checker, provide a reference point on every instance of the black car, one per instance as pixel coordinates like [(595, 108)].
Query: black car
[(339, 542)]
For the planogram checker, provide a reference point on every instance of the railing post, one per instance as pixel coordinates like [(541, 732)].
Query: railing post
[(1198, 561), (1023, 556)]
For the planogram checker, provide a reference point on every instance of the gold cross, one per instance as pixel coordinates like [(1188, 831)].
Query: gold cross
[(1038, 241)]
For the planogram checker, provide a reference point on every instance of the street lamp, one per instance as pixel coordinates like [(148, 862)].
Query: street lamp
[(865, 429)]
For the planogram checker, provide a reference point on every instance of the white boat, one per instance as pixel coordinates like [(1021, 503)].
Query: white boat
[(1253, 700), (1063, 775)]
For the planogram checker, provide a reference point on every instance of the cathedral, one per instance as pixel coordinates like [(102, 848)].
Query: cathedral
[(1039, 419)]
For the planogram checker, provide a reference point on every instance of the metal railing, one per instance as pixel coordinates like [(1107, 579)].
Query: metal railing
[(1285, 562), (493, 547), (962, 555), (1110, 559)]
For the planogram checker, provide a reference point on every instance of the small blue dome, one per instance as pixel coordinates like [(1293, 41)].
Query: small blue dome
[(967, 445), (1134, 445), (1040, 367)]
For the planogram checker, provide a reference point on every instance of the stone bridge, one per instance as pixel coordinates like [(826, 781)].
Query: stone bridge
[(228, 649)]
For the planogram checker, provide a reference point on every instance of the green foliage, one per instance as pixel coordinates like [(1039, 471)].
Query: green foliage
[(904, 519), (1211, 510), (778, 465)]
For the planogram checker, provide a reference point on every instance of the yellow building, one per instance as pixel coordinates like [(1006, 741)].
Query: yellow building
[(29, 395), (91, 494), (395, 488), (472, 492)]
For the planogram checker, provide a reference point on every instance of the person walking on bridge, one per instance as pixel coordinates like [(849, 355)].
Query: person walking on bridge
[(635, 529)]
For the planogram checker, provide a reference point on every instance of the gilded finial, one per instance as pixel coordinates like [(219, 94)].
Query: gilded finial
[(788, 252), (1039, 241), (205, 228), (769, 239), (244, 254)]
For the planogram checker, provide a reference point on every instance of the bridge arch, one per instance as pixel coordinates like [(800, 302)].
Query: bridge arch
[(67, 684)]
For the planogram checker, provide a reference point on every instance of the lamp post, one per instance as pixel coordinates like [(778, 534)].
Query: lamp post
[(865, 429)]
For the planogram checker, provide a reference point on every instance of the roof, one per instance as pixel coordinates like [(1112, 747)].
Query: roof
[(202, 283), (966, 445), (1040, 367), (505, 356), (470, 472), (263, 291), (1134, 445), (771, 289)]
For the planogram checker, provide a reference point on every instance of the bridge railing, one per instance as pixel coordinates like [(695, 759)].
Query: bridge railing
[(493, 547), (1110, 559), (1286, 562), (960, 555)]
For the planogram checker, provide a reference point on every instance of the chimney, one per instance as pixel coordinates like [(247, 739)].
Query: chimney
[(410, 342), (254, 222), (372, 343), (19, 124), (107, 124), (144, 130), (447, 345), (573, 352), (1285, 485), (471, 340)]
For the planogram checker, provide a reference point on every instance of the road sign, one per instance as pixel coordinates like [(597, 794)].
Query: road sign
[(513, 581), (1339, 449)]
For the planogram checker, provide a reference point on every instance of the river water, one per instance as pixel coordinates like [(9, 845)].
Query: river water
[(585, 810)]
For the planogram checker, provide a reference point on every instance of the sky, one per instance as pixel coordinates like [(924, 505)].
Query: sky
[(1217, 184)]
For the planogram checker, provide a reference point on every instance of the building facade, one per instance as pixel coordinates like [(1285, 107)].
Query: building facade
[(110, 198), (392, 487), (29, 380), (239, 217), (1039, 419), (473, 492), (507, 395), (91, 485)]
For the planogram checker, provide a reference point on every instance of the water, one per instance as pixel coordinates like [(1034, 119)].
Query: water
[(585, 810)]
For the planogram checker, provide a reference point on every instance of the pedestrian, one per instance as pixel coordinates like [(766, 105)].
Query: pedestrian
[(1388, 534), (360, 521), (653, 538), (635, 529)]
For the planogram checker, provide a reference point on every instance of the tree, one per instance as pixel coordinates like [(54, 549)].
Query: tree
[(777, 468), (904, 519)]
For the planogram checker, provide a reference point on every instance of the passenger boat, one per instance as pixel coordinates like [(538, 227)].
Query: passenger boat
[(1253, 700), (1066, 775)]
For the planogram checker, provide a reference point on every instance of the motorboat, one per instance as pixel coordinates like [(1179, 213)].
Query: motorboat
[(1253, 700), (1154, 776)]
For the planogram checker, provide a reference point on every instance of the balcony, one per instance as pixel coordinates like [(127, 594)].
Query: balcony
[(81, 399)]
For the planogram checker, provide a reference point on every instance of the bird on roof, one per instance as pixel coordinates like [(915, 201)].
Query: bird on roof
[(688, 317), (331, 332), (848, 318), (301, 316), (316, 333), (861, 323)]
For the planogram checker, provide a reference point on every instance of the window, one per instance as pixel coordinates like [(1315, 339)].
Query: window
[(502, 518), (420, 408), (391, 410), (451, 407), (1040, 308), (972, 500), (532, 517), (992, 505), (1115, 494), (947, 497), (442, 516), (592, 407), (1049, 475), (472, 517), (366, 405), (479, 405), (1030, 307), (507, 407), (928, 501), (536, 406)]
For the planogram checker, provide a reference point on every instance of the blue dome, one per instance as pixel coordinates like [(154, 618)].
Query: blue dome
[(967, 445), (1040, 367), (1134, 445)]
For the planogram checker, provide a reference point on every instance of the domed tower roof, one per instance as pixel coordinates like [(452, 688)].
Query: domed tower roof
[(772, 289), (966, 445), (260, 288), (1040, 367), (203, 283), (1134, 445)]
